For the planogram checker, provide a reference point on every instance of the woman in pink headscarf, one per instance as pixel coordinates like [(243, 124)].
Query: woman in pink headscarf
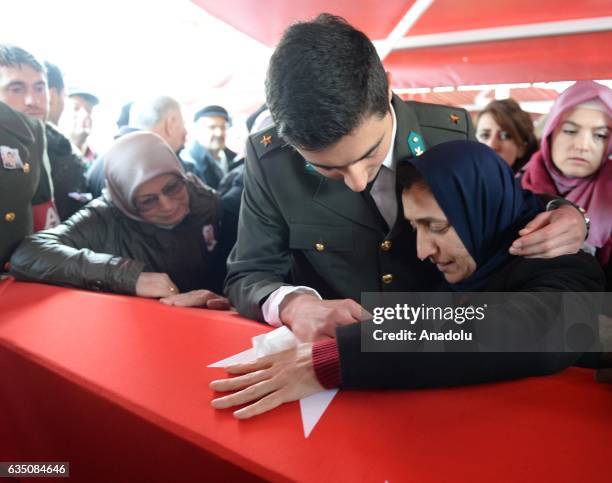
[(575, 160)]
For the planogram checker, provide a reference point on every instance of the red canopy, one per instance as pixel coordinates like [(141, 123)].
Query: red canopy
[(456, 42)]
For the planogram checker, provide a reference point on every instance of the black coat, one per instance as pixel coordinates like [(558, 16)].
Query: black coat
[(197, 160), (17, 186), (67, 173), (569, 273), (99, 248)]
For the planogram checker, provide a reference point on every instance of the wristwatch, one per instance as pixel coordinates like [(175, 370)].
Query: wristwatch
[(557, 202)]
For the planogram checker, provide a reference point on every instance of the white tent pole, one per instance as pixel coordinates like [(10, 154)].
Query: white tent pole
[(383, 47), (545, 29)]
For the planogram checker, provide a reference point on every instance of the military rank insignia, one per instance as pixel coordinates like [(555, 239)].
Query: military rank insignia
[(266, 140), (416, 143)]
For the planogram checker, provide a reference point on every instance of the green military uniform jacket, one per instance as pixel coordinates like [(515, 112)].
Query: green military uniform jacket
[(298, 227), (17, 186)]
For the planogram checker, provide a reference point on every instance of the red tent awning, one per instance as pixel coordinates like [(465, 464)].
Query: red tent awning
[(457, 42)]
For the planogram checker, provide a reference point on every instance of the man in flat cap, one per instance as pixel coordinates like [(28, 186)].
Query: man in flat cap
[(207, 156), (77, 121)]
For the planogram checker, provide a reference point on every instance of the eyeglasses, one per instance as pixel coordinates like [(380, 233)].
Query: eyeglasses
[(172, 189)]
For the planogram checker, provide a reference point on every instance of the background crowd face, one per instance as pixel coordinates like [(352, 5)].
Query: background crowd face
[(356, 157), (172, 204), (25, 90), (176, 132), (499, 140), (211, 132), (580, 142), (437, 240), (76, 119)]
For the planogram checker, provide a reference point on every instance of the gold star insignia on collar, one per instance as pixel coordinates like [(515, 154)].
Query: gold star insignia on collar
[(454, 118), (266, 140)]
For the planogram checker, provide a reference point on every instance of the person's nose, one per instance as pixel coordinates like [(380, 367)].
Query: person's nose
[(356, 178), (583, 141), (494, 143), (166, 204), (425, 247), (30, 98)]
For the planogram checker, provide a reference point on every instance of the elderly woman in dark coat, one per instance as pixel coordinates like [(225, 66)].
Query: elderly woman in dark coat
[(153, 233)]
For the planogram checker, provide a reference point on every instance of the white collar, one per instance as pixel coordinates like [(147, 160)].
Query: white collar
[(388, 162)]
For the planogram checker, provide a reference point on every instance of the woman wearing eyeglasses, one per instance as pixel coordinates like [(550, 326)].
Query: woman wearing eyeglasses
[(153, 232)]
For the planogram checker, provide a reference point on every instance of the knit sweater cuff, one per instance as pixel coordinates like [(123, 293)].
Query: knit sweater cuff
[(326, 361)]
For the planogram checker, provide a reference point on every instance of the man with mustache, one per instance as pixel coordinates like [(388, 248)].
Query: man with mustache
[(208, 157)]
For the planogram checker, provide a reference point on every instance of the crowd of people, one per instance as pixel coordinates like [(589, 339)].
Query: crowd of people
[(344, 188)]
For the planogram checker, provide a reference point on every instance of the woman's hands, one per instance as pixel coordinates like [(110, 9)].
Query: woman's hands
[(268, 382)]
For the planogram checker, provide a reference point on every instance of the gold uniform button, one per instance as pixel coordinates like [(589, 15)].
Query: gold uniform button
[(9, 217), (386, 245), (319, 247), (26, 168), (387, 278)]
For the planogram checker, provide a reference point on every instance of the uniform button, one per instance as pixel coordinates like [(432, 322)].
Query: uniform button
[(319, 247), (9, 217), (385, 246), (26, 168), (387, 278)]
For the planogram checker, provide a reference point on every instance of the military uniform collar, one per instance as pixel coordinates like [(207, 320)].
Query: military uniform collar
[(407, 122), (389, 159)]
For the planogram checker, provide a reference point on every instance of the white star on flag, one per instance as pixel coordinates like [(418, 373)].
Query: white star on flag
[(312, 407)]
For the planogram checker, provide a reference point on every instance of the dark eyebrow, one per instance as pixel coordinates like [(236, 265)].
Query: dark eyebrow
[(429, 219), (368, 153), (578, 125), (15, 83)]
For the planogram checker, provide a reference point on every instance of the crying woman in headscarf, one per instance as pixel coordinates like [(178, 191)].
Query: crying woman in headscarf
[(155, 232)]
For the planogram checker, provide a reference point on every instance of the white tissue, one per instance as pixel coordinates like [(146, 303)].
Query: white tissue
[(278, 340)]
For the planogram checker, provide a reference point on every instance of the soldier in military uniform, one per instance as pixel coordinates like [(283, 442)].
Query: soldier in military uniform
[(320, 220), (22, 144)]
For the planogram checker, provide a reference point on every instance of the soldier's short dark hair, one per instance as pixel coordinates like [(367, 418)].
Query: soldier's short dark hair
[(324, 79), (13, 56), (55, 79)]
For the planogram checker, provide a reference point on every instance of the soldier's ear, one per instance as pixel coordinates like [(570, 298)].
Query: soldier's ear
[(389, 79)]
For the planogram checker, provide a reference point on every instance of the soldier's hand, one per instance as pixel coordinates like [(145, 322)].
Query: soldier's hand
[(198, 298), (155, 285), (312, 319), (551, 234)]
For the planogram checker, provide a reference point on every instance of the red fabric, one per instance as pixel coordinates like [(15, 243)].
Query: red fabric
[(118, 386), (265, 20), (326, 361), (541, 59), (45, 215)]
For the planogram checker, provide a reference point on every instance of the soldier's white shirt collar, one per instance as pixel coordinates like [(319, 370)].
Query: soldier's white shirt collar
[(388, 162)]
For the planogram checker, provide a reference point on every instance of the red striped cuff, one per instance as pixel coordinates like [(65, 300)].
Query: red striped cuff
[(326, 361)]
